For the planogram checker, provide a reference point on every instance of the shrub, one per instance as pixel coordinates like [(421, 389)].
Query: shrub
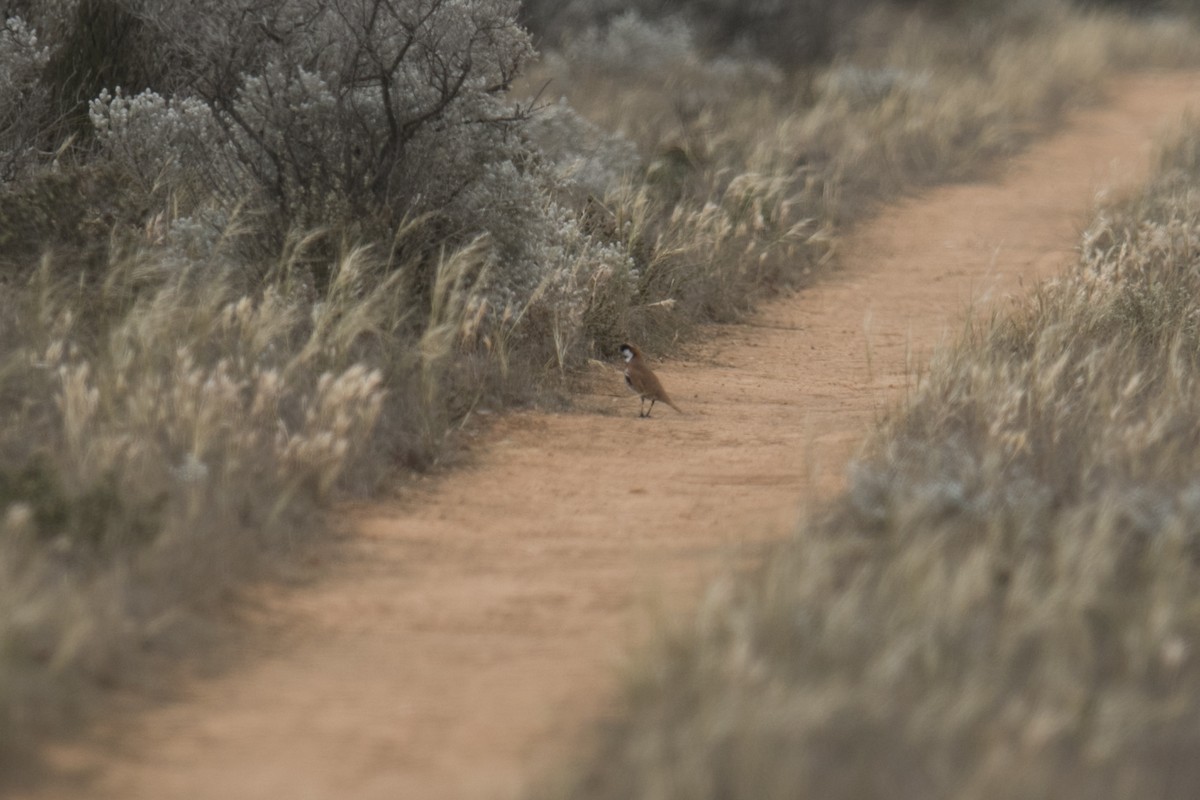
[(22, 96), (357, 117), (365, 110)]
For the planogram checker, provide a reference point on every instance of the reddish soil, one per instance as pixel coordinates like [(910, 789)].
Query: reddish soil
[(464, 636)]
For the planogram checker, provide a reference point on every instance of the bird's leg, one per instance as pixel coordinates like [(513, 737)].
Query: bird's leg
[(652, 401), (641, 406)]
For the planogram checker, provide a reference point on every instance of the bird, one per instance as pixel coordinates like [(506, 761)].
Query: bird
[(642, 382)]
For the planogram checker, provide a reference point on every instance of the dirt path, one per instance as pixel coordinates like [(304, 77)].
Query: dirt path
[(463, 637)]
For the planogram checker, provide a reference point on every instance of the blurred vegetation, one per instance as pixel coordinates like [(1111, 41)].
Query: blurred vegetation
[(791, 34)]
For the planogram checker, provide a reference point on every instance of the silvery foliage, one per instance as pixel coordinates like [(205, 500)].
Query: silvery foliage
[(586, 161), (22, 58), (161, 141), (541, 251), (629, 43), (631, 47), (536, 212), (363, 111), (165, 145), (329, 109)]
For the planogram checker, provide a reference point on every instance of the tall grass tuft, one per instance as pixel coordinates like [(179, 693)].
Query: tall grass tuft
[(165, 429)]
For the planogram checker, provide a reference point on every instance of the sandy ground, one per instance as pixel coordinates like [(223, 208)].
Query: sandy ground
[(462, 637)]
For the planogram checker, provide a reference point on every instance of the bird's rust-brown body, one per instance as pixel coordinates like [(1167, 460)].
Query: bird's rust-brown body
[(642, 381)]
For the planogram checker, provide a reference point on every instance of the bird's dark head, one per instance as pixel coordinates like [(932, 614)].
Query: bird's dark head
[(629, 351)]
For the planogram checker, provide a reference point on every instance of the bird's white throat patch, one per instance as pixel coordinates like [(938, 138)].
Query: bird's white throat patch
[(628, 354)]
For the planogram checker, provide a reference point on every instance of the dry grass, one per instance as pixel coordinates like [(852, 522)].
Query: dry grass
[(166, 430), (1004, 603), (750, 173)]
